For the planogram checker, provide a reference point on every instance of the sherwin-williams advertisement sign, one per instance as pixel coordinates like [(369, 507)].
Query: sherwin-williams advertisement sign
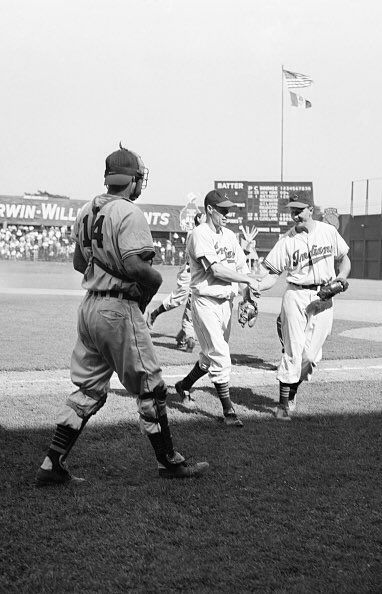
[(17, 210)]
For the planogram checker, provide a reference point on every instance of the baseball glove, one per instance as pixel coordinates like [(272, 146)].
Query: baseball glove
[(332, 288), (247, 313)]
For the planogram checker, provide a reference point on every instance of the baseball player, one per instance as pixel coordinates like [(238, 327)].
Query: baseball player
[(217, 265), (175, 299), (186, 335), (114, 251), (308, 253)]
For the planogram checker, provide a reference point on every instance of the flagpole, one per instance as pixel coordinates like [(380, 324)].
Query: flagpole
[(282, 122)]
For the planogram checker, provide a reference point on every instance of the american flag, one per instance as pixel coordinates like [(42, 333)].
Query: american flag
[(294, 80)]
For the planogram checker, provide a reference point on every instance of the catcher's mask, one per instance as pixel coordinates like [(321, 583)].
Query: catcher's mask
[(124, 166)]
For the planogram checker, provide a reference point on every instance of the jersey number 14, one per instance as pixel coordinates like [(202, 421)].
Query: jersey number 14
[(96, 232)]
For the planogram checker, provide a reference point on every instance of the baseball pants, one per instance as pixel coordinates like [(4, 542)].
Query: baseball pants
[(180, 294), (306, 323), (212, 322), (112, 336)]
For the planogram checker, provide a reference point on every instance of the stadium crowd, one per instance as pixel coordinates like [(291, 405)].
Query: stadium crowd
[(170, 252), (23, 242)]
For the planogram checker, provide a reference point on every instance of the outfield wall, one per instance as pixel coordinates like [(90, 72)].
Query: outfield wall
[(363, 233)]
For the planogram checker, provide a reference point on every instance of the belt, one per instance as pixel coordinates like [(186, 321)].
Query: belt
[(116, 294), (313, 287)]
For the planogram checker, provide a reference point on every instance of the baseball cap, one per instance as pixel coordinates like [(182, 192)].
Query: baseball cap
[(121, 166), (300, 199), (216, 198)]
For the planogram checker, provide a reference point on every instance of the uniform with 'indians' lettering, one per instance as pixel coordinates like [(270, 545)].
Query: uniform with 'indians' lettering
[(212, 298), (306, 321)]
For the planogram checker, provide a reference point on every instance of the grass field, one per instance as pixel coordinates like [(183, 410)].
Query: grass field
[(293, 508)]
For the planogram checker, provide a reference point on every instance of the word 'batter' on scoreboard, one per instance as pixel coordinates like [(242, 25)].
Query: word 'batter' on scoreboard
[(263, 204)]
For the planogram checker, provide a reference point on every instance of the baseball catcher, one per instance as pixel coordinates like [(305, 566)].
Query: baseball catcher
[(247, 310), (114, 252)]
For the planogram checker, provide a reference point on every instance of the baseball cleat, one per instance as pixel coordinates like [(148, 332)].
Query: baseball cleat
[(180, 339), (190, 344), (150, 319), (184, 470), (185, 396), (58, 476), (282, 413), (232, 420)]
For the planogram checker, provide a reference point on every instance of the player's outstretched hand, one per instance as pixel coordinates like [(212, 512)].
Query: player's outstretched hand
[(253, 288)]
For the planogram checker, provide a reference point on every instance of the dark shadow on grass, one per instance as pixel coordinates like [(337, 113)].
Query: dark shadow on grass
[(236, 359), (252, 400), (252, 361), (101, 446), (243, 396), (246, 397), (167, 345), (158, 343), (197, 410), (323, 471), (174, 402)]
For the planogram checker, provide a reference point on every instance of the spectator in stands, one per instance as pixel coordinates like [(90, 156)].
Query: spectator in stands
[(27, 243), (168, 251), (163, 254)]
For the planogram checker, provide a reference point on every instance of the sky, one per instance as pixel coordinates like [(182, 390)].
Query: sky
[(195, 87)]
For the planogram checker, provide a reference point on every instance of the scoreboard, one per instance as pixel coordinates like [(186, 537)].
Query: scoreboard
[(263, 205)]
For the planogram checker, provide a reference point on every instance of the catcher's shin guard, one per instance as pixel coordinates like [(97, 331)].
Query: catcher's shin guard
[(76, 435), (160, 395), (171, 464), (161, 440)]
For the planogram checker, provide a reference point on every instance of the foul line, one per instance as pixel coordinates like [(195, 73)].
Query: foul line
[(19, 379)]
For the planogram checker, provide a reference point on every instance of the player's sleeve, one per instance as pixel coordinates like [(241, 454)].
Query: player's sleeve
[(276, 260), (75, 229), (134, 235), (78, 223), (201, 247), (341, 248)]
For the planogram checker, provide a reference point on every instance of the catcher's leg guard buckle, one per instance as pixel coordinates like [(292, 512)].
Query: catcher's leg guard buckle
[(160, 392)]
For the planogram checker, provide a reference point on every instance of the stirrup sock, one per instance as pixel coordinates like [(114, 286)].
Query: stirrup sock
[(223, 393), (293, 390), (284, 394), (195, 374)]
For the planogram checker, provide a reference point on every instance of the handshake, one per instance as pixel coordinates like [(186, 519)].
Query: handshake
[(252, 289)]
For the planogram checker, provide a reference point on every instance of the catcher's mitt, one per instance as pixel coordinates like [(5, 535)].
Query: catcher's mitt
[(338, 285), (247, 312)]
